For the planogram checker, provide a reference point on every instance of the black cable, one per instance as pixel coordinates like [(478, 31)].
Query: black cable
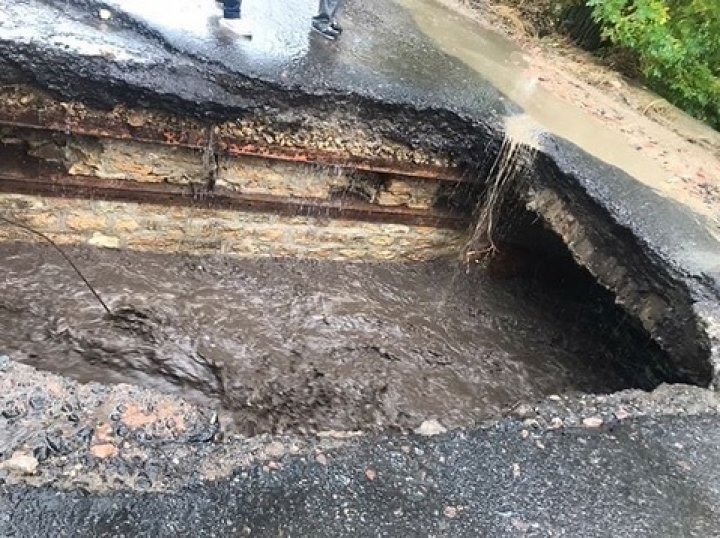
[(62, 253)]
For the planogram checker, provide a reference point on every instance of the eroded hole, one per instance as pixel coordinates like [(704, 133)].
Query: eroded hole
[(290, 345)]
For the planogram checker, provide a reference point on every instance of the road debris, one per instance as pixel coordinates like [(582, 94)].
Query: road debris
[(430, 427)]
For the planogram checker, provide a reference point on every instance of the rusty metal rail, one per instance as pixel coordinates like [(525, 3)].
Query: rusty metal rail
[(83, 187), (200, 139), (21, 174)]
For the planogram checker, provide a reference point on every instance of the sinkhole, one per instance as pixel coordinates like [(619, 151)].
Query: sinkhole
[(297, 293), (300, 345)]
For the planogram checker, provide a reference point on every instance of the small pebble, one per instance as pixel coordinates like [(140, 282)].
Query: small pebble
[(556, 423), (103, 451), (143, 481), (531, 423), (321, 459), (371, 474), (621, 414), (592, 422), (275, 449), (41, 452), (37, 402), (523, 411), (450, 512), (430, 428), (22, 463)]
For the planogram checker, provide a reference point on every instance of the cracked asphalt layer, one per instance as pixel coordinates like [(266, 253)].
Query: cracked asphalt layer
[(644, 477)]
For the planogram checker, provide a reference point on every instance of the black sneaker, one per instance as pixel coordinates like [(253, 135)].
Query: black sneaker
[(325, 30)]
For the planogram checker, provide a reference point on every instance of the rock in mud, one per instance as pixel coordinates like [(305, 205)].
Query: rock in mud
[(556, 423), (104, 241), (523, 411), (103, 451), (430, 428), (275, 450), (621, 414), (23, 463), (592, 422)]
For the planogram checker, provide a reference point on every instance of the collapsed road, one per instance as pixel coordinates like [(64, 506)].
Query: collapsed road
[(190, 157)]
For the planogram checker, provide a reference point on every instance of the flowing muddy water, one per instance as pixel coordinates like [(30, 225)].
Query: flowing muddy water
[(292, 345)]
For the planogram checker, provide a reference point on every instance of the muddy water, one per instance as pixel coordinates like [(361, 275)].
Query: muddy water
[(301, 345)]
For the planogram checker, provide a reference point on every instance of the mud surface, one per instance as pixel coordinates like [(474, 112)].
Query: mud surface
[(296, 346)]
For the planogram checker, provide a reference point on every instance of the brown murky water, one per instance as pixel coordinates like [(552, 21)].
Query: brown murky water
[(292, 345)]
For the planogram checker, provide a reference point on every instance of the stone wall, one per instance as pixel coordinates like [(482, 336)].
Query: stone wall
[(148, 227)]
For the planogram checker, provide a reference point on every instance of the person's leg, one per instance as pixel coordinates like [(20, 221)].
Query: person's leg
[(333, 7), (232, 9), (324, 22), (334, 10), (323, 16), (232, 21)]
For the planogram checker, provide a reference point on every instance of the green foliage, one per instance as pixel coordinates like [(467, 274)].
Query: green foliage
[(677, 43)]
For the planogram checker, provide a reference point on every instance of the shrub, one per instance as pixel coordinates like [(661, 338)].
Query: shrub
[(677, 43)]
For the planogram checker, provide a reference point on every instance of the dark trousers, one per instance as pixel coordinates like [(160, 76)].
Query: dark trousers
[(232, 9), (327, 11)]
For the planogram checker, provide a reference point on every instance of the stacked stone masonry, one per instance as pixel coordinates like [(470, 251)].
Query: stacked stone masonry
[(148, 227)]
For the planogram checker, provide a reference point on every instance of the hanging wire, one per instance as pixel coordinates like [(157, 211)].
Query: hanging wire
[(62, 253)]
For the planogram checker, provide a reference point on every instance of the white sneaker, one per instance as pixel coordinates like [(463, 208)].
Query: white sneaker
[(239, 27)]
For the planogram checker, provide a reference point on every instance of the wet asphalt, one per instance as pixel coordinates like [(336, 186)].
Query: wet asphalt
[(177, 49), (645, 477)]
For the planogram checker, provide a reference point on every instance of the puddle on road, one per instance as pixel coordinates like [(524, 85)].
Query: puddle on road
[(291, 345)]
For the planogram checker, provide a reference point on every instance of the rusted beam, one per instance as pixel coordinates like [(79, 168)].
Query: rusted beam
[(82, 187), (375, 166), (106, 127), (199, 139)]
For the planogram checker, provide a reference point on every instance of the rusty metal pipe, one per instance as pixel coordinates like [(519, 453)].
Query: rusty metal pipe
[(83, 187), (199, 139)]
